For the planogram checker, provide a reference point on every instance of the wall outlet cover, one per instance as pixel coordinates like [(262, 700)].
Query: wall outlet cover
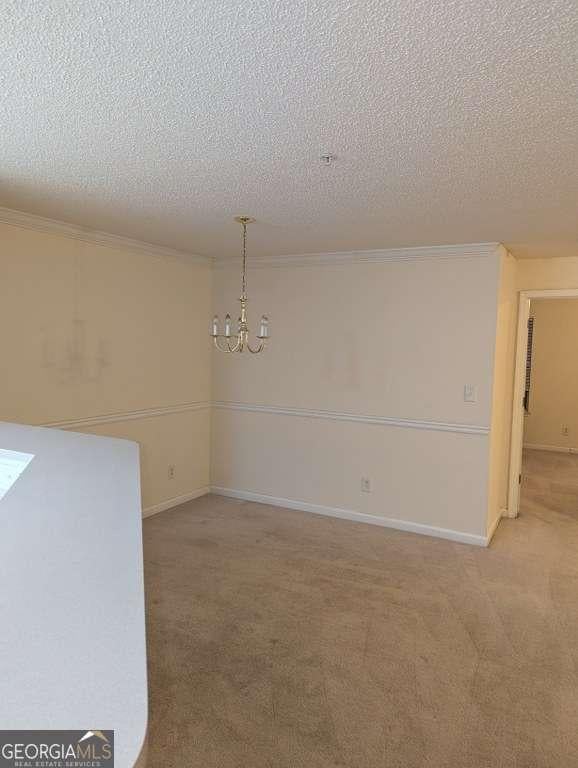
[(366, 484)]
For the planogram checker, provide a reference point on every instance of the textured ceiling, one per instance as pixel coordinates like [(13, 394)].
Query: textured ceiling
[(451, 121)]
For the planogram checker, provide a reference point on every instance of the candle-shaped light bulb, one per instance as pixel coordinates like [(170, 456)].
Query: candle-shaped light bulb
[(215, 331), (264, 332), (227, 325)]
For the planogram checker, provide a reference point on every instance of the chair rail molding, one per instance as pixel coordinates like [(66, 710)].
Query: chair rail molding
[(438, 426), (308, 413), (117, 417)]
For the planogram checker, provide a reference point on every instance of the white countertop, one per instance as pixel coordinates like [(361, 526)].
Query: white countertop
[(72, 623)]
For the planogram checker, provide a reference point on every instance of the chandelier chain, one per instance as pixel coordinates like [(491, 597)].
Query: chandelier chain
[(244, 292)]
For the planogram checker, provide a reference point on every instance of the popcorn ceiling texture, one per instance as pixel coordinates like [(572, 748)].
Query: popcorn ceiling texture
[(451, 121)]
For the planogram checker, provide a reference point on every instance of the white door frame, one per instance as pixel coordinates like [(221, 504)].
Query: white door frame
[(517, 435)]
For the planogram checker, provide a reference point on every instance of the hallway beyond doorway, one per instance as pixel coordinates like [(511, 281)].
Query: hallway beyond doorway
[(550, 491)]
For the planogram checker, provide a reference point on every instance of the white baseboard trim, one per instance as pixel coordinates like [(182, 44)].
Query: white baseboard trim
[(175, 501), (358, 517), (552, 448)]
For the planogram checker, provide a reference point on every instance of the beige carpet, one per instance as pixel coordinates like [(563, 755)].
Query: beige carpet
[(282, 639)]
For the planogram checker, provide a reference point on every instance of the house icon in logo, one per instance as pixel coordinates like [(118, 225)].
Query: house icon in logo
[(97, 734)]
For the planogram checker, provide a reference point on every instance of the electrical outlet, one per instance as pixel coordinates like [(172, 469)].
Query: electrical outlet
[(565, 431), (470, 393), (171, 472), (366, 484)]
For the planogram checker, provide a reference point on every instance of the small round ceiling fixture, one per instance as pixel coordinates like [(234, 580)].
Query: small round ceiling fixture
[(328, 158)]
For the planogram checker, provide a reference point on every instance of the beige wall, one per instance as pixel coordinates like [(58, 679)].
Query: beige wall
[(502, 396), (541, 274), (90, 330), (112, 331), (554, 386), (396, 340)]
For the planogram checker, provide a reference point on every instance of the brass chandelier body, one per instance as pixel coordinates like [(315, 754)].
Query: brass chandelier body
[(239, 342)]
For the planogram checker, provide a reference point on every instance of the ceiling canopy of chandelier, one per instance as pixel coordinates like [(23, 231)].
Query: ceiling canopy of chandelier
[(239, 342)]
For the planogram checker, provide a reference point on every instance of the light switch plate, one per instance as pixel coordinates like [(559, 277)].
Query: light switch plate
[(470, 393)]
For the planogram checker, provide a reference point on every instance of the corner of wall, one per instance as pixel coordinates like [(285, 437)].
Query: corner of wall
[(502, 387)]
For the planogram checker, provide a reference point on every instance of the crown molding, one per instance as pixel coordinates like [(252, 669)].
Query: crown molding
[(423, 253), (86, 234), (94, 236)]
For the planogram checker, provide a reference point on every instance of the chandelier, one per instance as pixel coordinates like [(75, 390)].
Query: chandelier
[(239, 342)]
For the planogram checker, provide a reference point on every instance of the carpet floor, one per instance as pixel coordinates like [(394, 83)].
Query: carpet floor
[(281, 639)]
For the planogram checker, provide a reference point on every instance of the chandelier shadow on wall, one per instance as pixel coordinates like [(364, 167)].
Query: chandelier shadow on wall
[(239, 342)]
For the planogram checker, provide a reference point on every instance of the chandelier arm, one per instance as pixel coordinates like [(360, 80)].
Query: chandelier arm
[(260, 348), (227, 347), (217, 345), (236, 346)]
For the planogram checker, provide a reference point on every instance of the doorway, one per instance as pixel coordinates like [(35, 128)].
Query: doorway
[(544, 445)]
